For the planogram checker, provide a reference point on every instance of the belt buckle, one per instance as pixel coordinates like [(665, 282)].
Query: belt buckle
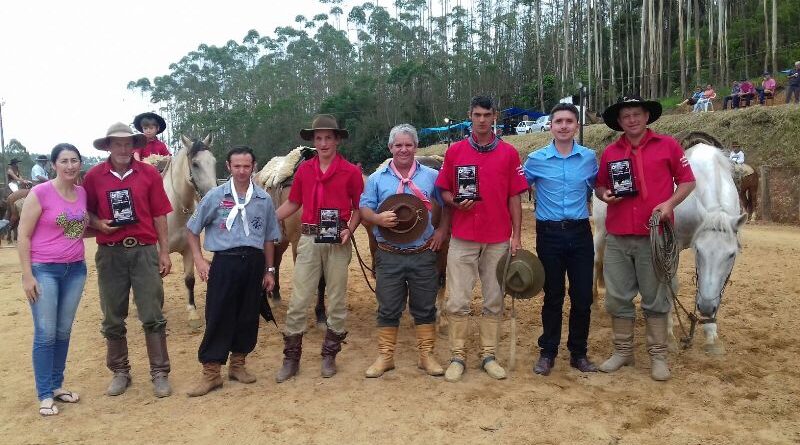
[(129, 242)]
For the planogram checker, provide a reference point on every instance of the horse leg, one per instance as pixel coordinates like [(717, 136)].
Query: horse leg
[(713, 345), (188, 280), (319, 310)]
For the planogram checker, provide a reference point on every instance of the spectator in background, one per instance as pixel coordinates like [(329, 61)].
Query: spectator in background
[(733, 97), (39, 171), (737, 155), (794, 84), (747, 91), (698, 93), (15, 179), (767, 89), (703, 103)]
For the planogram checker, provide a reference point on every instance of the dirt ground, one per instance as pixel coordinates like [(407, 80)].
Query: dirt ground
[(750, 395)]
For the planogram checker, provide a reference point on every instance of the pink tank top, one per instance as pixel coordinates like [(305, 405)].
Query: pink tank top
[(58, 235)]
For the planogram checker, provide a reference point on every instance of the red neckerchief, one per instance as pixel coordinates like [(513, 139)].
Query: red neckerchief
[(636, 155), (321, 178)]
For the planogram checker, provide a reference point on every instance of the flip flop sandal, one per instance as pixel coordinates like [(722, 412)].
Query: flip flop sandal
[(66, 396), (46, 411)]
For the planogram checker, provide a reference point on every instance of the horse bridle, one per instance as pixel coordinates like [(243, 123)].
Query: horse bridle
[(186, 210)]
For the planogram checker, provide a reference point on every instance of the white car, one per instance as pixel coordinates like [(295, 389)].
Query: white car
[(539, 125)]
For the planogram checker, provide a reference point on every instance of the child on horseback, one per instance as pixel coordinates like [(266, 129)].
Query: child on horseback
[(151, 125)]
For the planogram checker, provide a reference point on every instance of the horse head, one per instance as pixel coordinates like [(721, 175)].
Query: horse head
[(716, 244), (202, 163)]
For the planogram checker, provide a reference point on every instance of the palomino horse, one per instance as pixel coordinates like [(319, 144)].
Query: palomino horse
[(708, 221), (189, 175)]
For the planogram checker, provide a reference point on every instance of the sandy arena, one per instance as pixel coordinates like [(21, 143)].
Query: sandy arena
[(748, 396)]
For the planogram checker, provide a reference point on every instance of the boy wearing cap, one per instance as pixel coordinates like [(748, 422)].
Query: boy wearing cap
[(151, 125), (397, 201), (484, 227), (661, 179), (128, 206), (564, 173), (328, 186)]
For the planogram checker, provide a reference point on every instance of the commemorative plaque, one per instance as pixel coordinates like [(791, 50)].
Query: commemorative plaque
[(621, 176), (467, 183), (122, 210), (328, 227)]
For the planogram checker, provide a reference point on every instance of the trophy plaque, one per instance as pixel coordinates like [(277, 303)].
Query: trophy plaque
[(466, 183), (122, 211), (328, 227), (621, 176)]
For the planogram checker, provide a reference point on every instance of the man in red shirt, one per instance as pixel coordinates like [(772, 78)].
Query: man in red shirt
[(328, 188), (150, 124), (656, 169), (481, 179), (128, 206)]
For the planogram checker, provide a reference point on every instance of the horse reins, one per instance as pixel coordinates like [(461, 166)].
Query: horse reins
[(361, 263)]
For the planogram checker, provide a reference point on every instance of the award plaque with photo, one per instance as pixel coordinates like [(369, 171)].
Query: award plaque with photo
[(122, 211), (328, 227), (621, 176), (467, 183)]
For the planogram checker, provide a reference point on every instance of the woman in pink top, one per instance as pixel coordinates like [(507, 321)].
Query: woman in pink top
[(51, 254)]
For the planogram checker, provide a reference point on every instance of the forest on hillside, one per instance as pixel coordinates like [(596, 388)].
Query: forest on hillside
[(376, 64)]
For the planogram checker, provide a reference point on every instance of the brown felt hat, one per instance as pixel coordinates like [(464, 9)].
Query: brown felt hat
[(412, 218), (120, 130), (525, 276), (323, 122)]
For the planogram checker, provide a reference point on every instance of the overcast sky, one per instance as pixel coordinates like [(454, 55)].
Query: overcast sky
[(65, 66)]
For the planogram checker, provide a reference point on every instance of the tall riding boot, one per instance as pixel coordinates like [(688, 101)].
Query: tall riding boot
[(209, 380), (656, 329), (236, 369), (292, 349), (490, 332), (457, 327), (331, 346), (117, 362), (426, 340), (622, 337), (159, 362), (387, 339)]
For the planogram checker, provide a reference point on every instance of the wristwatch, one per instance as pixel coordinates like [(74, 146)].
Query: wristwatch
[(270, 270)]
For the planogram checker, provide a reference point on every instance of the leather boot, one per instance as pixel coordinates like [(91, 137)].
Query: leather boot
[(622, 337), (490, 331), (159, 363), (209, 380), (457, 329), (426, 340), (387, 339), (117, 362), (236, 369), (292, 349), (656, 329), (331, 346)]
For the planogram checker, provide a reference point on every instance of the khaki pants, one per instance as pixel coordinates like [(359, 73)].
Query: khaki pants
[(313, 261), (466, 261)]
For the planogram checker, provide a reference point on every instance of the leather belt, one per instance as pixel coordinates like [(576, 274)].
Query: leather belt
[(313, 229), (562, 225), (414, 250), (126, 242)]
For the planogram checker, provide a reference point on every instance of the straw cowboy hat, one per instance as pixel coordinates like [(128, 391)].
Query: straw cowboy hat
[(525, 275), (412, 218), (611, 114), (120, 130), (323, 122), (137, 122)]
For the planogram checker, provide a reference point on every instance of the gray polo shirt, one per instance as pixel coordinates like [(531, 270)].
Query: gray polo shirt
[(213, 210)]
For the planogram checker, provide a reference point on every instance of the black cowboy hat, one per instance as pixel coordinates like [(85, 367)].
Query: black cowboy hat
[(13, 161), (611, 113), (137, 122), (412, 218), (323, 122), (41, 158)]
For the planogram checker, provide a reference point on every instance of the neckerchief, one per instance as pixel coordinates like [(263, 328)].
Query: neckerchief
[(321, 178), (483, 148), (408, 182), (239, 208)]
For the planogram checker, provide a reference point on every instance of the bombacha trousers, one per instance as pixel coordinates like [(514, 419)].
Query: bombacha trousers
[(466, 262)]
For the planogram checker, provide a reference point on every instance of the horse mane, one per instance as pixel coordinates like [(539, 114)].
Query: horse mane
[(716, 221), (689, 139)]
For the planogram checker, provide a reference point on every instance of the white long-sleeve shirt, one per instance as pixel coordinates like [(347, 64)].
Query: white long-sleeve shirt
[(737, 157)]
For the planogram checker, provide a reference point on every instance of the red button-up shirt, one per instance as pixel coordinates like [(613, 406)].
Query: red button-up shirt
[(499, 178), (657, 164), (153, 147), (341, 189), (147, 190)]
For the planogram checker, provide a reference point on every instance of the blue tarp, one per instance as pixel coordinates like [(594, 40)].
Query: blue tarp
[(452, 127), (514, 111)]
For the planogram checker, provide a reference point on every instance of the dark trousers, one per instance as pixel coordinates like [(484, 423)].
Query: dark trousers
[(232, 304), (400, 277), (793, 90), (566, 250), (733, 99)]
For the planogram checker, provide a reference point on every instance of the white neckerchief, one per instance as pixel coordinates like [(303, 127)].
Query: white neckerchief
[(239, 208)]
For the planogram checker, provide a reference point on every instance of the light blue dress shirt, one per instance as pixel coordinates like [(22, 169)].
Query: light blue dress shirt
[(562, 182)]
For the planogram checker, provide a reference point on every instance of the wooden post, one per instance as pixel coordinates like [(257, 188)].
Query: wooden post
[(763, 190)]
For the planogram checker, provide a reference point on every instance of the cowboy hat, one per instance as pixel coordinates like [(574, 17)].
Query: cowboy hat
[(323, 122), (611, 113), (120, 130), (412, 218), (41, 158), (13, 161), (524, 277), (137, 122)]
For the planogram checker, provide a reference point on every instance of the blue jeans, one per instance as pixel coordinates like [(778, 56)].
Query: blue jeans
[(60, 286)]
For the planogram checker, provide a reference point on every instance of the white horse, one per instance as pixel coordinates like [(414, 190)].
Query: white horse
[(190, 174), (708, 221)]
